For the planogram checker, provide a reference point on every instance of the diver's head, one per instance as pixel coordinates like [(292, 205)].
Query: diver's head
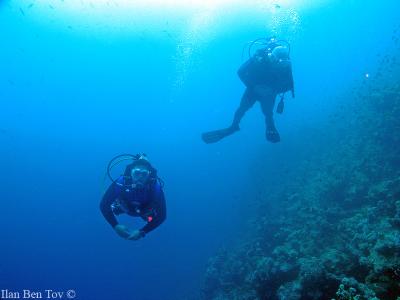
[(279, 54), (140, 176), (140, 172)]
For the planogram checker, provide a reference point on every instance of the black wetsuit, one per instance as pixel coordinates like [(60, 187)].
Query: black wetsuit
[(264, 80), (149, 204)]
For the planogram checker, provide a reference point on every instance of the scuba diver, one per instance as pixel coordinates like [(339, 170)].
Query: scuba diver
[(138, 193), (266, 74)]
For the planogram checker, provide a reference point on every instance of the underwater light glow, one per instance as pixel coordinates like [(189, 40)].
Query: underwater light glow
[(187, 19), (127, 12), (175, 4), (143, 4), (158, 3)]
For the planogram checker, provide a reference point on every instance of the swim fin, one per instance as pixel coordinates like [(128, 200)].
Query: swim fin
[(217, 135), (272, 135)]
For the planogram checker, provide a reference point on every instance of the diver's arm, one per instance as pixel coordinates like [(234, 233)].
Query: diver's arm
[(244, 71), (160, 211), (105, 205), (291, 81)]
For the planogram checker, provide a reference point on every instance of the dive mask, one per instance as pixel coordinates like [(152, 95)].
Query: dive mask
[(140, 176)]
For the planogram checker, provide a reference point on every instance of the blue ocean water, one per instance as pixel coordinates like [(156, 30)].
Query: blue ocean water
[(82, 81)]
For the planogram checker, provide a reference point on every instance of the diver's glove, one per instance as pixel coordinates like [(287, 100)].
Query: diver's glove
[(122, 231), (135, 235)]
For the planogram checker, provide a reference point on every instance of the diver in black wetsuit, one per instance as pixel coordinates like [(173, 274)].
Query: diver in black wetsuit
[(266, 74), (137, 193)]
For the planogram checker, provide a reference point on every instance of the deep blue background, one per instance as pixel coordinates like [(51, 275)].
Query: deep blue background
[(72, 96)]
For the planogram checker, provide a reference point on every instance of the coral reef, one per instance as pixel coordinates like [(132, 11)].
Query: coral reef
[(336, 231)]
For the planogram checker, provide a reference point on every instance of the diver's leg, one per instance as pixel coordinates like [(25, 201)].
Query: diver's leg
[(246, 103), (267, 107), (216, 135)]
